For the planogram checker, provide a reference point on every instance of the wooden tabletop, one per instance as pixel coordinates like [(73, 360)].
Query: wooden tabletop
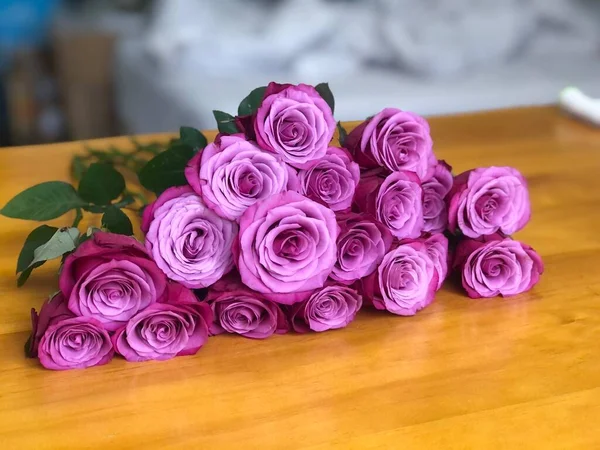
[(510, 373)]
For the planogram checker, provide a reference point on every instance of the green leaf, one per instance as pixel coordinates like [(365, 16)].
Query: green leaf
[(225, 122), (44, 201), (343, 133), (78, 217), (36, 238), (325, 92), (101, 183), (251, 103), (192, 137), (64, 240), (116, 221), (77, 167), (166, 169), (26, 273)]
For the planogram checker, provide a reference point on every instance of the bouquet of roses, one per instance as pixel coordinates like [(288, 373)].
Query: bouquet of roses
[(270, 228)]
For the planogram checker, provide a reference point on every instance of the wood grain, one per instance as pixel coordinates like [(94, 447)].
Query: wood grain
[(510, 373)]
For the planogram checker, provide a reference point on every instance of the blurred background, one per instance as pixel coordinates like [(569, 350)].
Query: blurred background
[(77, 69)]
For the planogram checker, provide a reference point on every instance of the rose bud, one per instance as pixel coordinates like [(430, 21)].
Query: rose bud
[(53, 310), (435, 190)]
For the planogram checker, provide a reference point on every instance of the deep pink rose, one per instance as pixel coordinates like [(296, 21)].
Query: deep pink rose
[(331, 180), (436, 247), (329, 308), (178, 293), (394, 139), (286, 246), (294, 122), (361, 245), (435, 190), (232, 173), (110, 277), (404, 283), (53, 310), (189, 242), (396, 201), (163, 331), (494, 265), (75, 343), (486, 200)]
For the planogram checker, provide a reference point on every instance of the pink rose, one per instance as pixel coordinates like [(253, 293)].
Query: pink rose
[(110, 277), (286, 246), (232, 173), (394, 139), (294, 122), (52, 311), (361, 245), (494, 265), (436, 247), (486, 200), (435, 190), (396, 201)]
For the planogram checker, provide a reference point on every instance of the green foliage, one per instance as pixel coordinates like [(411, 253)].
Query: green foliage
[(101, 184), (251, 103), (343, 133), (225, 122), (166, 169), (325, 92), (192, 137), (116, 221)]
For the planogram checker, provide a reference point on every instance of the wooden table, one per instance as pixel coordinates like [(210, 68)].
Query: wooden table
[(462, 374)]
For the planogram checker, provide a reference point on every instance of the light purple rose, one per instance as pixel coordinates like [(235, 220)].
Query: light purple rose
[(435, 190), (486, 200), (494, 265), (361, 245), (286, 246), (163, 331), (436, 247), (294, 122), (53, 310), (331, 180), (396, 201), (75, 343), (188, 241), (232, 173), (110, 277), (394, 139), (404, 283)]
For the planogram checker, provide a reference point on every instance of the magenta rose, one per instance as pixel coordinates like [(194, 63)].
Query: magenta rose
[(189, 242), (394, 139), (404, 283), (361, 245), (435, 190), (486, 200), (53, 310), (331, 180), (75, 343), (294, 122), (329, 308), (396, 201), (494, 265), (110, 277), (286, 246), (163, 331), (436, 247), (232, 173)]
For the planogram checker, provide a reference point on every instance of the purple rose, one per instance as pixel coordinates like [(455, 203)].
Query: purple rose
[(435, 190), (331, 180), (329, 308), (494, 265), (294, 122), (404, 283), (110, 277), (396, 201), (163, 331), (486, 200), (361, 245), (53, 310), (286, 246), (436, 247), (75, 343), (240, 310), (394, 139), (188, 241), (232, 173)]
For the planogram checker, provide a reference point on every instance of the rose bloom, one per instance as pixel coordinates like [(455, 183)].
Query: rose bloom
[(436, 247), (486, 200), (396, 201), (332, 307), (286, 246), (331, 180), (404, 283), (495, 265), (435, 190), (110, 277), (188, 241), (232, 173), (294, 122), (53, 310), (361, 245), (394, 139)]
